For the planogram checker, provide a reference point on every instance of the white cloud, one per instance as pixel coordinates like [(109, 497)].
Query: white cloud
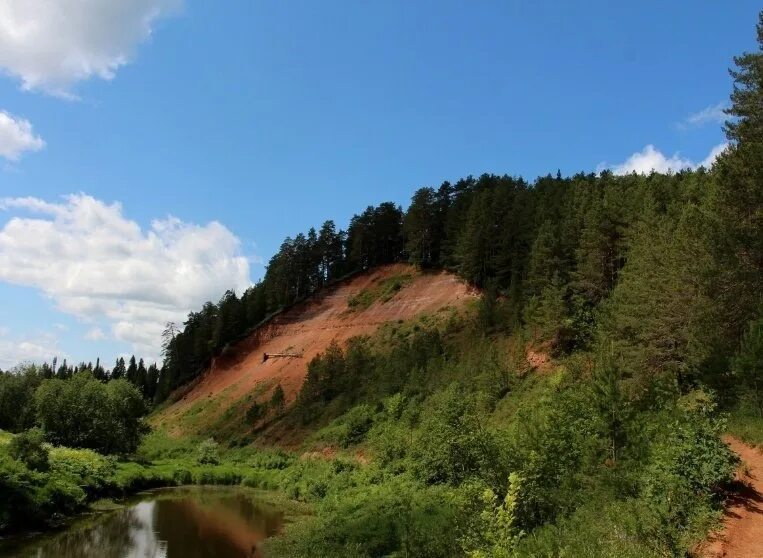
[(95, 334), (715, 152), (40, 348), (651, 159), (98, 265), (711, 114), (17, 137), (52, 44)]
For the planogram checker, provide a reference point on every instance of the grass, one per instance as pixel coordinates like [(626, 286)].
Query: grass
[(384, 291), (746, 426)]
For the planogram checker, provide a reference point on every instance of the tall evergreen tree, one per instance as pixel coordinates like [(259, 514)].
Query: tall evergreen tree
[(739, 198), (119, 371)]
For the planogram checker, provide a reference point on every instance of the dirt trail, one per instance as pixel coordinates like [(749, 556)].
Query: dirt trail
[(307, 329), (742, 532)]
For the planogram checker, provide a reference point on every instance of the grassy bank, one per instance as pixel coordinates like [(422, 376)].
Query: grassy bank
[(76, 479)]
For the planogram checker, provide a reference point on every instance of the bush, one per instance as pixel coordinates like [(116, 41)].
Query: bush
[(255, 412), (453, 444), (688, 468), (29, 448), (392, 519), (208, 453), (85, 468)]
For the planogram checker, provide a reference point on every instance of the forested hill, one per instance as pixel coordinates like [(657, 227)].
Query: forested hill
[(626, 260)]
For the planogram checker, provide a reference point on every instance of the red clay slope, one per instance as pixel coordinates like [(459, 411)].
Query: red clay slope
[(307, 329)]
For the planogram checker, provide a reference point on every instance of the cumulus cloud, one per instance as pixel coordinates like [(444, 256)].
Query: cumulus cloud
[(17, 137), (708, 115), (51, 45), (40, 348), (651, 159), (100, 266)]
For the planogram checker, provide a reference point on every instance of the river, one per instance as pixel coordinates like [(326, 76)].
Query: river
[(194, 522)]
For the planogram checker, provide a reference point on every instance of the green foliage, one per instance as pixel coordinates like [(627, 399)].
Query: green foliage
[(255, 412), (29, 448), (17, 387), (497, 533), (747, 367), (278, 400), (391, 519), (611, 404), (383, 291), (208, 452), (688, 466), (453, 443), (349, 429), (83, 412), (86, 468)]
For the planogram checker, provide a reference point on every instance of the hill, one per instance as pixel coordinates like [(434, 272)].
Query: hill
[(218, 399)]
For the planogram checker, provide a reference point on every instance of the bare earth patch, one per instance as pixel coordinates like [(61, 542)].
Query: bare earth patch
[(742, 533), (306, 330)]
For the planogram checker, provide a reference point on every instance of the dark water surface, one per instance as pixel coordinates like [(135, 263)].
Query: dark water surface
[(178, 523)]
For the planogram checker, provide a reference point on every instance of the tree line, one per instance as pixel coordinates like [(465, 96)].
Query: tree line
[(18, 386)]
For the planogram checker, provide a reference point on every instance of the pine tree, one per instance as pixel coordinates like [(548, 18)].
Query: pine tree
[(119, 371), (141, 377), (152, 380), (547, 316), (544, 262), (747, 365), (611, 403), (132, 371), (659, 317), (739, 198), (278, 400), (420, 228)]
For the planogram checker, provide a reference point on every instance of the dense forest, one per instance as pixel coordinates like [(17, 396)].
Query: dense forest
[(646, 292)]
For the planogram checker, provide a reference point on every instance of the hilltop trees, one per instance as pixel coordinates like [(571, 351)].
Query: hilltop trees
[(574, 259)]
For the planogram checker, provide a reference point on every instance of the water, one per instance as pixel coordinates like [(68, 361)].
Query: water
[(179, 523)]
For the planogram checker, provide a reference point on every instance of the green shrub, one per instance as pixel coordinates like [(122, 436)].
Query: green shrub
[(453, 443), (29, 448), (84, 468), (208, 453), (255, 412), (683, 480)]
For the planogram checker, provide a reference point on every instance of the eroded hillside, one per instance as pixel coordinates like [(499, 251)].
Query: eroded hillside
[(357, 306)]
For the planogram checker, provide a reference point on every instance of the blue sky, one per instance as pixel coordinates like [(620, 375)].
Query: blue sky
[(248, 121)]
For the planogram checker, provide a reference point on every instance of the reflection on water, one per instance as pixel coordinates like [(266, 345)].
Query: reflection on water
[(183, 523)]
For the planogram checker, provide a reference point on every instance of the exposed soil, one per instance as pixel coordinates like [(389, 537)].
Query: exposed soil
[(538, 359), (742, 533), (306, 330)]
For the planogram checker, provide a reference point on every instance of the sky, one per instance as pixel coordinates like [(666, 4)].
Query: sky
[(154, 153)]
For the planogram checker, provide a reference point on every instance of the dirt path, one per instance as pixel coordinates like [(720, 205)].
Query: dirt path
[(742, 532)]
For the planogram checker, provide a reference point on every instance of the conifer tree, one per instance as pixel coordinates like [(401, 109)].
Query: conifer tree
[(747, 365), (119, 371), (132, 371), (739, 198)]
